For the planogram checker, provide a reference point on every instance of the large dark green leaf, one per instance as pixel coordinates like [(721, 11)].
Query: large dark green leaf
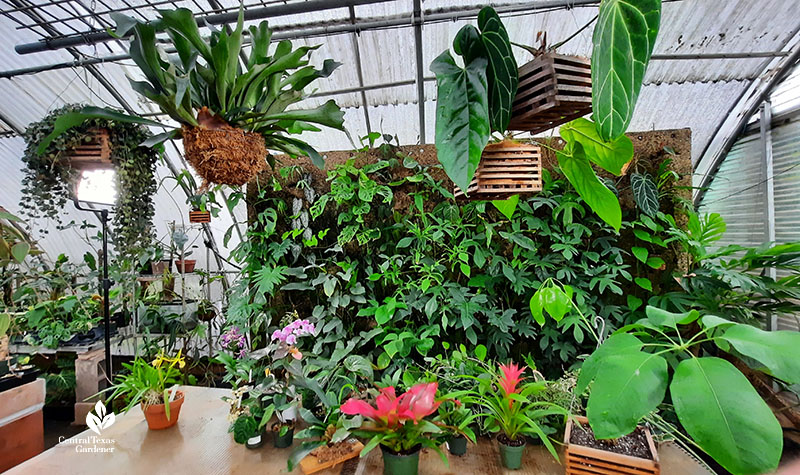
[(611, 156), (501, 72), (627, 387), (74, 119), (462, 109), (777, 350), (576, 167), (645, 193), (725, 416), (623, 41)]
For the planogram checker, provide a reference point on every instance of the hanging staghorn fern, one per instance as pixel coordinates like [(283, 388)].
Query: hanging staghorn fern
[(49, 179)]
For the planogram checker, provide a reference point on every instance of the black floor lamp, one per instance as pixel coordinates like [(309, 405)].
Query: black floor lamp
[(105, 283)]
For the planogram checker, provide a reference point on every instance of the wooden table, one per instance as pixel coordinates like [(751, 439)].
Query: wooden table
[(200, 444)]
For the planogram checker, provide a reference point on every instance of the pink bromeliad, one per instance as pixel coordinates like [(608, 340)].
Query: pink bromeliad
[(391, 411)]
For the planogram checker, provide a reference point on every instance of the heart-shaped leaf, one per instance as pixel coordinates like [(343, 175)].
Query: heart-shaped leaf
[(576, 167), (501, 71), (611, 156), (645, 193)]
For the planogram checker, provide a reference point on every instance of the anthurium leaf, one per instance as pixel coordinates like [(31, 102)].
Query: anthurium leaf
[(622, 44), (507, 207), (663, 318), (501, 71), (74, 119), (634, 302), (645, 193), (611, 156), (576, 167), (725, 416), (627, 387), (640, 253), (621, 343), (462, 109), (777, 350)]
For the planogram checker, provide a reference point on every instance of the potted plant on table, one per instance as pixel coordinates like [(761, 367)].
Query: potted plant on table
[(399, 426), (153, 386), (453, 413), (508, 411)]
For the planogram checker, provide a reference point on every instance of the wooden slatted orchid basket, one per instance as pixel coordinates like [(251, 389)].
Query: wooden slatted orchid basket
[(198, 216), (586, 460), (93, 152), (553, 89), (507, 168)]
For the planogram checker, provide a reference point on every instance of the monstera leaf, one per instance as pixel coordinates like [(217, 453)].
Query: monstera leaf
[(462, 109), (501, 71), (623, 42)]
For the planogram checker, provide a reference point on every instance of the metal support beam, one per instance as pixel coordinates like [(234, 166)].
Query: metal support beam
[(420, 69), (742, 55), (359, 71), (768, 174)]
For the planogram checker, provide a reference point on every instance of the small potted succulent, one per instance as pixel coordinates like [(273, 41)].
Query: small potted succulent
[(399, 425), (153, 386), (508, 411)]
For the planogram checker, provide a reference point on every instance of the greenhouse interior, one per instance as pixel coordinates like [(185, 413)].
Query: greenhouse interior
[(400, 236)]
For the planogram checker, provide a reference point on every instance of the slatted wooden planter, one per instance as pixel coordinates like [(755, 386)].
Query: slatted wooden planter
[(507, 168), (197, 216), (590, 461), (93, 152), (553, 89)]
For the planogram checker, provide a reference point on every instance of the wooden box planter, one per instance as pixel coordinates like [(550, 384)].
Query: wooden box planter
[(587, 460), (553, 89), (197, 216), (507, 168), (93, 152)]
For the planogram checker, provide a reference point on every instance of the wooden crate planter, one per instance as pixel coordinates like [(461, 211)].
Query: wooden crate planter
[(199, 216), (553, 89), (93, 152), (582, 460), (507, 168)]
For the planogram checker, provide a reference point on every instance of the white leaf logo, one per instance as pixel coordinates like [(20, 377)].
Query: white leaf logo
[(100, 421)]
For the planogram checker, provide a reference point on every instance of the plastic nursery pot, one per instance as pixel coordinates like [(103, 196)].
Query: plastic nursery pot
[(282, 441), (159, 267), (156, 414), (186, 265), (400, 464), (256, 442), (457, 445), (511, 454)]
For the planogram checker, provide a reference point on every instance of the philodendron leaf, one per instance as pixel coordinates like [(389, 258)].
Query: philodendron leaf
[(777, 350), (502, 75), (462, 108), (576, 167), (645, 193), (725, 416), (507, 207), (611, 156), (623, 41), (627, 387)]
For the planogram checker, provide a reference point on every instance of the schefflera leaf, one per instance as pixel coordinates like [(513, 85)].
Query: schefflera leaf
[(725, 416), (462, 108), (623, 41), (502, 73)]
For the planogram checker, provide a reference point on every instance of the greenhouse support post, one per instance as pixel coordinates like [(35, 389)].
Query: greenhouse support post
[(769, 190)]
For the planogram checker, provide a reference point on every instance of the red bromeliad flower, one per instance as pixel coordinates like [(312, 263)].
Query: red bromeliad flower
[(510, 377), (416, 403)]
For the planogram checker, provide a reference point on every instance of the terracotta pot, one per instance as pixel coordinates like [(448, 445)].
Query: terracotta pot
[(156, 415), (186, 265)]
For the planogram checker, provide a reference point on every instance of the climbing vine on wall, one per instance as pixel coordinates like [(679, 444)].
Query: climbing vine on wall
[(49, 179)]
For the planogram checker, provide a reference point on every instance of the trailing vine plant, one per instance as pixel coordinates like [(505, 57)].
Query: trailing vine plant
[(49, 179)]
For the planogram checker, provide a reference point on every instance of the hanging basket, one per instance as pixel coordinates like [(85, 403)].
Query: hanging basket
[(198, 216), (224, 155), (553, 89), (94, 151), (507, 168)]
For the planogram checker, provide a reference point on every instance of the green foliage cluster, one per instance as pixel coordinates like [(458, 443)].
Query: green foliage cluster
[(49, 181)]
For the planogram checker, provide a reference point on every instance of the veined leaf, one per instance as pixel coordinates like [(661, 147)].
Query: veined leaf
[(501, 72), (579, 172), (645, 193), (777, 350), (611, 156), (462, 109), (725, 416), (623, 41), (508, 206)]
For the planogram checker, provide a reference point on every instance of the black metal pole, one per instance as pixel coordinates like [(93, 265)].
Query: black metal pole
[(106, 286)]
